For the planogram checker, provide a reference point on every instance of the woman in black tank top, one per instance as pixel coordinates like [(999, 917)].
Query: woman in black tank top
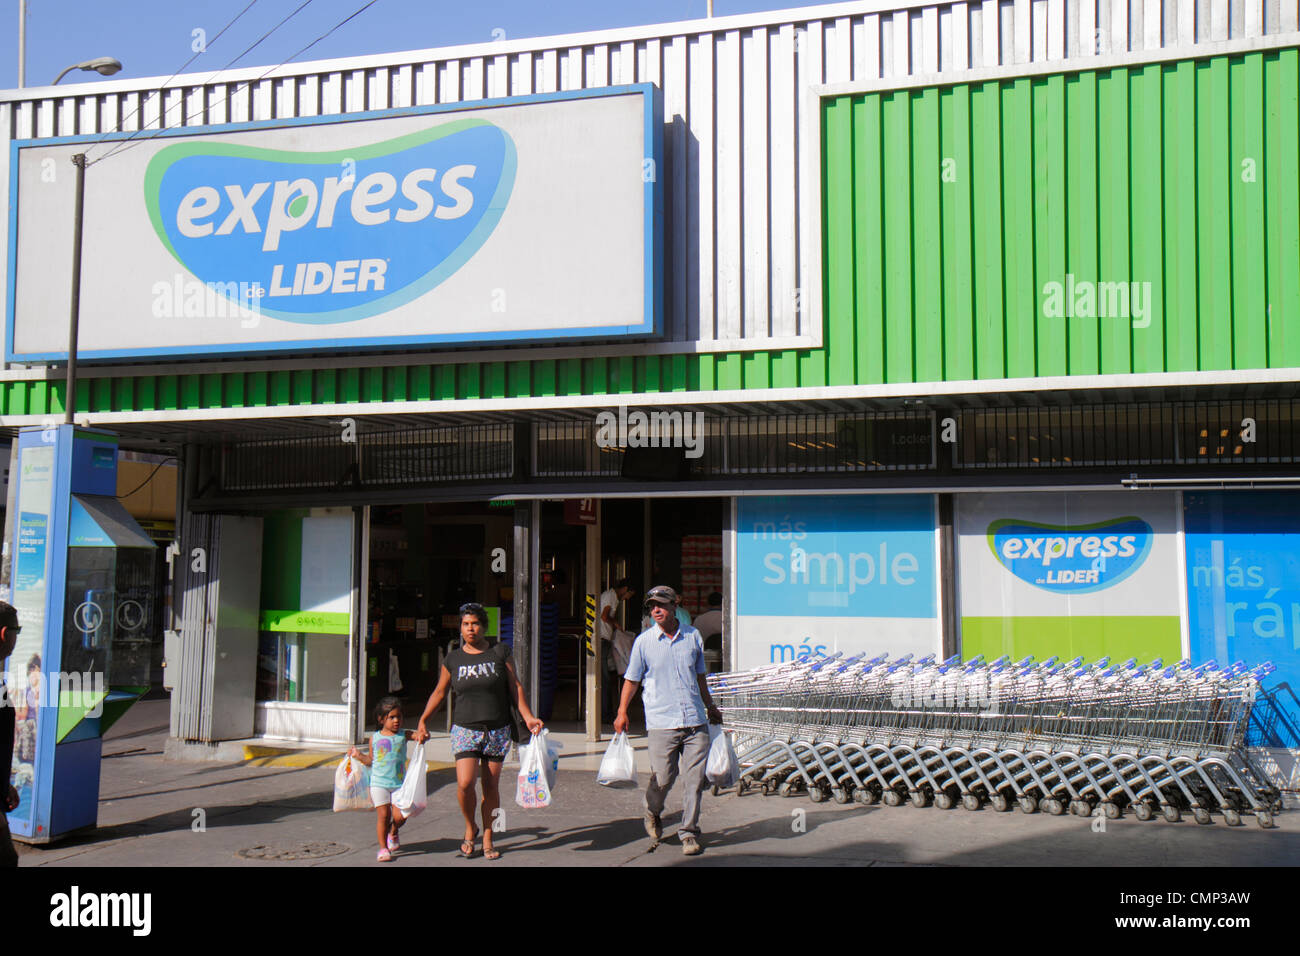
[(481, 678)]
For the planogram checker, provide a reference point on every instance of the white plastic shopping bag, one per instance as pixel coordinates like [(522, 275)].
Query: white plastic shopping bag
[(352, 786), (722, 769), (534, 788), (412, 797), (618, 766)]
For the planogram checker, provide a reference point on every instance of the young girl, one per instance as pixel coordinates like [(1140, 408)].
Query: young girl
[(387, 762)]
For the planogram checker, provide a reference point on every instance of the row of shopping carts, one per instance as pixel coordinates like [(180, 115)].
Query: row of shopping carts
[(1098, 738)]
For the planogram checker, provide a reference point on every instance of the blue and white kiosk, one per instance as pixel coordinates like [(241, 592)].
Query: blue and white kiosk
[(82, 582)]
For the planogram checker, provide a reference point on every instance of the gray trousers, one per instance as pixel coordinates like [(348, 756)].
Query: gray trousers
[(687, 748)]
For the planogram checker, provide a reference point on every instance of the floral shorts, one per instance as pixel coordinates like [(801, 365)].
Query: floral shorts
[(487, 744)]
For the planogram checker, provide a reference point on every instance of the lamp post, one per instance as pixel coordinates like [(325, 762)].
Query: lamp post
[(103, 65)]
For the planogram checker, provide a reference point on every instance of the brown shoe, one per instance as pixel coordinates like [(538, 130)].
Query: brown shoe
[(653, 828), (690, 845)]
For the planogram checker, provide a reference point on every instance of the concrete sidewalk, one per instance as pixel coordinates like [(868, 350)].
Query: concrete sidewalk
[(157, 812)]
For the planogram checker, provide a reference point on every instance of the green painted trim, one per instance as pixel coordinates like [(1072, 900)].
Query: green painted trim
[(306, 622), (1143, 637)]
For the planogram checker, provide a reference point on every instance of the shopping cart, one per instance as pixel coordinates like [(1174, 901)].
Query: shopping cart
[(1094, 738)]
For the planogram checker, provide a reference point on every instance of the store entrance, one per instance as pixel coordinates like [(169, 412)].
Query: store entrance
[(645, 541)]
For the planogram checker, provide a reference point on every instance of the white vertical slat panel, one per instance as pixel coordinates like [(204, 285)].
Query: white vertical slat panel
[(682, 247), (859, 34), (572, 65), (839, 50), (195, 108), (1153, 27), (1253, 21), (24, 121), (730, 154), (284, 101), (1218, 20), (930, 40), (402, 86), (902, 62), (1022, 22), (449, 82), (917, 56), (755, 164), (961, 36), (808, 70), (151, 112), (871, 26), (1289, 18), (1271, 12), (975, 16), (474, 80), (1186, 21), (1236, 18), (521, 75), (1136, 23), (263, 91), (784, 181), (1038, 30), (1086, 29), (650, 64), (87, 114), (309, 97), (548, 72), (1059, 29), (598, 66), (947, 17), (426, 83), (627, 64), (1105, 39), (886, 45), (498, 77), (700, 269), (991, 25), (331, 94)]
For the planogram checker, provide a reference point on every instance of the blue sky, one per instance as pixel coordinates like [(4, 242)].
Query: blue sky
[(155, 37)]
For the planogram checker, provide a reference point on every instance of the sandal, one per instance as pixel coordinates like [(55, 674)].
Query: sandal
[(467, 847), (491, 853)]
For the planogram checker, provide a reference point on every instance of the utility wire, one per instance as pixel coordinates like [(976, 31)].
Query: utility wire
[(147, 480), (258, 79), (162, 119), (178, 72)]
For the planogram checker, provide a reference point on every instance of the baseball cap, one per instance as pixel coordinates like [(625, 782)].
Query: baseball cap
[(662, 594)]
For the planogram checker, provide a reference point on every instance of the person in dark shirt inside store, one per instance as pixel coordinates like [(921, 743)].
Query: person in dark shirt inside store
[(481, 677), (8, 639)]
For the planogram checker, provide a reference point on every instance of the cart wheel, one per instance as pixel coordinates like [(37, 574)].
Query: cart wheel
[(1264, 818), (742, 785), (817, 794), (1143, 811), (1053, 806), (866, 796), (1000, 803), (841, 796), (1202, 816), (1028, 804), (893, 798), (920, 799), (1112, 810), (970, 802), (769, 787), (1231, 817), (944, 801), (1172, 814), (1081, 808), (786, 789)]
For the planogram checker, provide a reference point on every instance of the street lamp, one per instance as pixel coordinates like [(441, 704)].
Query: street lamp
[(103, 65)]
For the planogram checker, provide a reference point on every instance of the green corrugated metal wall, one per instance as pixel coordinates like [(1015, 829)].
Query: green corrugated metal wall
[(949, 210), (1135, 174)]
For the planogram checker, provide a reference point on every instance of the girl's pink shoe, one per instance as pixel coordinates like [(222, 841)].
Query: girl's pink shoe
[(385, 856), (392, 842)]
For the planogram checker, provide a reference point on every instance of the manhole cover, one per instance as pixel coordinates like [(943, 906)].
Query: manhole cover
[(293, 851)]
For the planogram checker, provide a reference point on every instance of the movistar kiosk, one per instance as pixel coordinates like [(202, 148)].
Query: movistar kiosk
[(82, 583)]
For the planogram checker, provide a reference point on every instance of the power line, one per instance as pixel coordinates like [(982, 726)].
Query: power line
[(132, 141), (178, 72), (258, 79), (147, 480)]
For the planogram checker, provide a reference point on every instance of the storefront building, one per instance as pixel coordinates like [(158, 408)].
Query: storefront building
[(935, 329)]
